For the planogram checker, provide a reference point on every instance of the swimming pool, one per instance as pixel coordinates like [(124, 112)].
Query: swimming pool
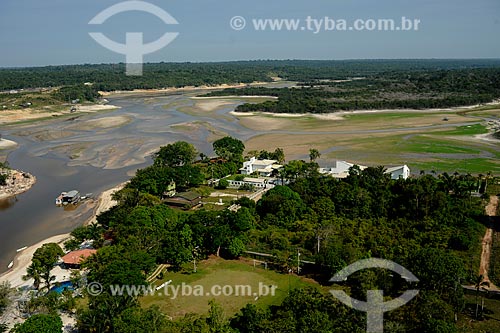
[(60, 287)]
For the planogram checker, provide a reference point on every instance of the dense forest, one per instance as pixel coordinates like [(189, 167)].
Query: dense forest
[(429, 224), (327, 86), (392, 90), (108, 77)]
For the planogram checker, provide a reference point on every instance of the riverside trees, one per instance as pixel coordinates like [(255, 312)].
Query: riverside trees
[(42, 264)]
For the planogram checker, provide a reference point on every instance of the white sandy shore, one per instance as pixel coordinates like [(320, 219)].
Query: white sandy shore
[(7, 144), (233, 97), (338, 115), (323, 116), (187, 88), (14, 116), (23, 258)]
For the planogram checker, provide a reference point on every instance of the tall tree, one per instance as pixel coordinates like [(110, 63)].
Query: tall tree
[(314, 154), (229, 148), (176, 154), (43, 262), (40, 323)]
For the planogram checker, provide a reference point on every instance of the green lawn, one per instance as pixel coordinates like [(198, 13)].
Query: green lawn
[(219, 272), (371, 116), (490, 322), (437, 150), (466, 130)]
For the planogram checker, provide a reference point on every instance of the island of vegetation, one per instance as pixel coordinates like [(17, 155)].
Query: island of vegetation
[(14, 182), (402, 89)]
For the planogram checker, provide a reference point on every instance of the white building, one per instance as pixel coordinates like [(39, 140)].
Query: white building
[(255, 182), (399, 172), (263, 167), (339, 170)]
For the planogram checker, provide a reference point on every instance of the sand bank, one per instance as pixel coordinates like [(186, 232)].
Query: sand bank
[(102, 123), (7, 144), (182, 89), (32, 114)]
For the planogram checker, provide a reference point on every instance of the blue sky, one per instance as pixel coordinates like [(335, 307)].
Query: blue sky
[(50, 32)]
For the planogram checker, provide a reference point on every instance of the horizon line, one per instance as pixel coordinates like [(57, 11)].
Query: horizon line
[(251, 60)]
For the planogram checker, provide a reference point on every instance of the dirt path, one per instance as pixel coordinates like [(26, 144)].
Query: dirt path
[(491, 209)]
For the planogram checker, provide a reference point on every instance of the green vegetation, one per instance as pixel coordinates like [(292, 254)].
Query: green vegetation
[(489, 318), (42, 263), (230, 149), (79, 92), (466, 130), (278, 154), (389, 90), (5, 292), (40, 323), (48, 98)]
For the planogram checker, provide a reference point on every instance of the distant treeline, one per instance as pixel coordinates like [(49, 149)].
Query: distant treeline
[(392, 90), (108, 77)]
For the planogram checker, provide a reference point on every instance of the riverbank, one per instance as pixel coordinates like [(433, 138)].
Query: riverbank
[(8, 117), (145, 92), (7, 144), (23, 258), (17, 182)]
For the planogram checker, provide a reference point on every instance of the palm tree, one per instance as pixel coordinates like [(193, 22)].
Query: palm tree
[(34, 272), (488, 175), (479, 284), (314, 154)]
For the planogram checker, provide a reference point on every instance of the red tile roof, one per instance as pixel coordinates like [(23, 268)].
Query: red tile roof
[(76, 257)]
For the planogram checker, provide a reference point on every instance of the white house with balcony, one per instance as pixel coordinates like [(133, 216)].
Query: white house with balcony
[(339, 170), (257, 183), (263, 168), (399, 172)]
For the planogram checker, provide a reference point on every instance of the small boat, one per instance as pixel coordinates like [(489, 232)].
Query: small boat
[(59, 199), (10, 265), (72, 197), (22, 249)]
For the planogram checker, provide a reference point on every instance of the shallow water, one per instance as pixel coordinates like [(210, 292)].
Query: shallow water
[(66, 154)]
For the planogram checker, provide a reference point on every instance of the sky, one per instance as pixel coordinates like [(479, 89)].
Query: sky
[(56, 32)]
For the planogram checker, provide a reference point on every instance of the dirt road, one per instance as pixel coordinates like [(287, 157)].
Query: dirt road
[(491, 210)]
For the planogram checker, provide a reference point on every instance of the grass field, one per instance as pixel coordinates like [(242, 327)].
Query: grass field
[(489, 324), (220, 272), (417, 139)]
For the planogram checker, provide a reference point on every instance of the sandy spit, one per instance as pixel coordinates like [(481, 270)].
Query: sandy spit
[(7, 144)]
